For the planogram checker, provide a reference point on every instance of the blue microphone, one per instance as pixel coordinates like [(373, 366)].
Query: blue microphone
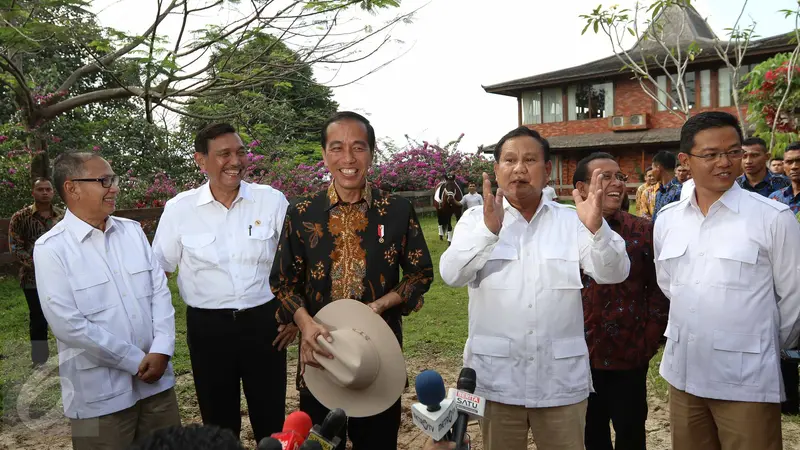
[(435, 415)]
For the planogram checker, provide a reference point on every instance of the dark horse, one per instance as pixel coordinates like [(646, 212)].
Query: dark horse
[(447, 201)]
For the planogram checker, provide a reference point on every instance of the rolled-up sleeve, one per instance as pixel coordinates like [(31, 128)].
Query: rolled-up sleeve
[(603, 255), (69, 325)]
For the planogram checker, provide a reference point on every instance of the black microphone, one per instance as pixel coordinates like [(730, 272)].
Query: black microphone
[(466, 382), (269, 443), (311, 445), (326, 434)]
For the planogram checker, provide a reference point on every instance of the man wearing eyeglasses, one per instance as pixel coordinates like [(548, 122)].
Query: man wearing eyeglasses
[(107, 302), (727, 260), (623, 322)]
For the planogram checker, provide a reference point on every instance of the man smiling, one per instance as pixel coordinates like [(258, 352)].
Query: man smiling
[(223, 237), (521, 256), (623, 322), (727, 260), (350, 241)]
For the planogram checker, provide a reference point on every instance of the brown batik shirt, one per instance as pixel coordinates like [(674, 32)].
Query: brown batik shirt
[(331, 250), (26, 226)]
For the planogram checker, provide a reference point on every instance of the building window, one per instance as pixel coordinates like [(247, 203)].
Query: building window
[(532, 107), (689, 86), (705, 88), (542, 106), (552, 101), (726, 82), (590, 101), (662, 92)]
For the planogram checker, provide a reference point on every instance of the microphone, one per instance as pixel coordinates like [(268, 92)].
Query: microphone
[(326, 434), (270, 443), (435, 414), (311, 445), (464, 403), (295, 430)]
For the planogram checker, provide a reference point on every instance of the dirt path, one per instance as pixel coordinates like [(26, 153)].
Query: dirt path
[(53, 433)]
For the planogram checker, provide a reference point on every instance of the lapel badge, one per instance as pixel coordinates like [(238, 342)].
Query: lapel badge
[(258, 222), (380, 233)]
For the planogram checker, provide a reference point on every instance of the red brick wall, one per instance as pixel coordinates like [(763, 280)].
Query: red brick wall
[(629, 98)]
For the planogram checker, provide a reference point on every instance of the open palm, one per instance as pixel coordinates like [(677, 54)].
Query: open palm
[(590, 211)]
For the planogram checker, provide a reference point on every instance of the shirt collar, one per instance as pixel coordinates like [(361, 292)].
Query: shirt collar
[(542, 204), (56, 212), (333, 197), (730, 199), (205, 196), (80, 229)]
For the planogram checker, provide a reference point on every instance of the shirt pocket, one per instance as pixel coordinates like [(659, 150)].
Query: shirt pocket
[(570, 365), (499, 272), (670, 257), (91, 293), (736, 358), (734, 265), (141, 281), (560, 267), (98, 383), (201, 253), (260, 244), (491, 360), (672, 351)]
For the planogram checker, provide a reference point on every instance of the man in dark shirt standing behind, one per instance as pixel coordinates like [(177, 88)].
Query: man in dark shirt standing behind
[(623, 322), (350, 241)]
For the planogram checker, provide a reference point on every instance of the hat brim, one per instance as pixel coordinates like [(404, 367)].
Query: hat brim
[(391, 379)]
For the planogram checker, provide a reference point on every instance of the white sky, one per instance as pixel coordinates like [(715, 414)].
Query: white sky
[(433, 91)]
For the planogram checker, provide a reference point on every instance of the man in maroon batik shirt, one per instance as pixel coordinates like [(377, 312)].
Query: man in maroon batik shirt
[(623, 322)]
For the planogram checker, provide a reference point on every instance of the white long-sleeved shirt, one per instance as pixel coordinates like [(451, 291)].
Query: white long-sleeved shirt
[(733, 281), (526, 340), (107, 302), (224, 255)]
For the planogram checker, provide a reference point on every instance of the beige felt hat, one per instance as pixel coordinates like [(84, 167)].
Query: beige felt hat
[(367, 373)]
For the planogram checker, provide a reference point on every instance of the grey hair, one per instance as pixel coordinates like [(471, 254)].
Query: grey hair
[(68, 166)]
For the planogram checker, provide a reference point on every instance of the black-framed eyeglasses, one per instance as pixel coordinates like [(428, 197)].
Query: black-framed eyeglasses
[(607, 176), (716, 156), (107, 182)]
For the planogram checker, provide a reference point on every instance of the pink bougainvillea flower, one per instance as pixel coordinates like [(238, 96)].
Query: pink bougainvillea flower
[(96, 148), (3, 139), (254, 144), (12, 171)]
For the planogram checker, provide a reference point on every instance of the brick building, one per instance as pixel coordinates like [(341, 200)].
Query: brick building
[(595, 106)]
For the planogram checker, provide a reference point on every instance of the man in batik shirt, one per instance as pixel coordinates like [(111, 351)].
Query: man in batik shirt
[(26, 226), (350, 241)]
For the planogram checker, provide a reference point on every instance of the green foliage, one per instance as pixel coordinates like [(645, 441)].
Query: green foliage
[(767, 84)]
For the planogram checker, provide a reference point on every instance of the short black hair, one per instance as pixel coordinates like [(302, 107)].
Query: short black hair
[(755, 141), (666, 159), (582, 169), (793, 146), (648, 169), (38, 179), (705, 121), (211, 131), (776, 158), (348, 115), (67, 166), (520, 132), (189, 437)]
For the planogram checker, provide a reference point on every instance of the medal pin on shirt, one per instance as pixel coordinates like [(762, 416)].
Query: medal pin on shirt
[(380, 233)]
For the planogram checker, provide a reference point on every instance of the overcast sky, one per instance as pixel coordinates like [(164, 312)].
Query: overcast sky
[(453, 47)]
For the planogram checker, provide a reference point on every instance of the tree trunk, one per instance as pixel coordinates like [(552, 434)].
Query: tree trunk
[(40, 163)]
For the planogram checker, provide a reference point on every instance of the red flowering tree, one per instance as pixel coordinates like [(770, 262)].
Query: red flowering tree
[(773, 96)]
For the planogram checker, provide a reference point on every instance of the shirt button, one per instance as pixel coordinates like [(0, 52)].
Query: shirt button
[(692, 310), (530, 332), (691, 338), (530, 358), (702, 253), (530, 306), (124, 294), (696, 281)]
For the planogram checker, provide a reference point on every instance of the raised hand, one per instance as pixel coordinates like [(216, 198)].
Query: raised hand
[(492, 206), (590, 211)]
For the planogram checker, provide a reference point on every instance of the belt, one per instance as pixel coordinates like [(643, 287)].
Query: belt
[(231, 312)]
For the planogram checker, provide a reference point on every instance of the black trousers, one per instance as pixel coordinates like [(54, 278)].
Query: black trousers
[(791, 381), (227, 346), (378, 432), (620, 398), (37, 327)]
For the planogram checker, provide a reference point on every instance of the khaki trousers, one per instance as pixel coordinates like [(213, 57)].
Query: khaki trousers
[(505, 427), (117, 431), (705, 424)]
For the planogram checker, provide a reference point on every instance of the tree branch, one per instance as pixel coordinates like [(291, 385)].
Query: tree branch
[(112, 57)]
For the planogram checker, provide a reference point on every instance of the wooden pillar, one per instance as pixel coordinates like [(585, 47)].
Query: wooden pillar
[(519, 110)]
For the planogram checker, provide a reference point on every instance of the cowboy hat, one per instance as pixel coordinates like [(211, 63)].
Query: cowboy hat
[(367, 373)]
